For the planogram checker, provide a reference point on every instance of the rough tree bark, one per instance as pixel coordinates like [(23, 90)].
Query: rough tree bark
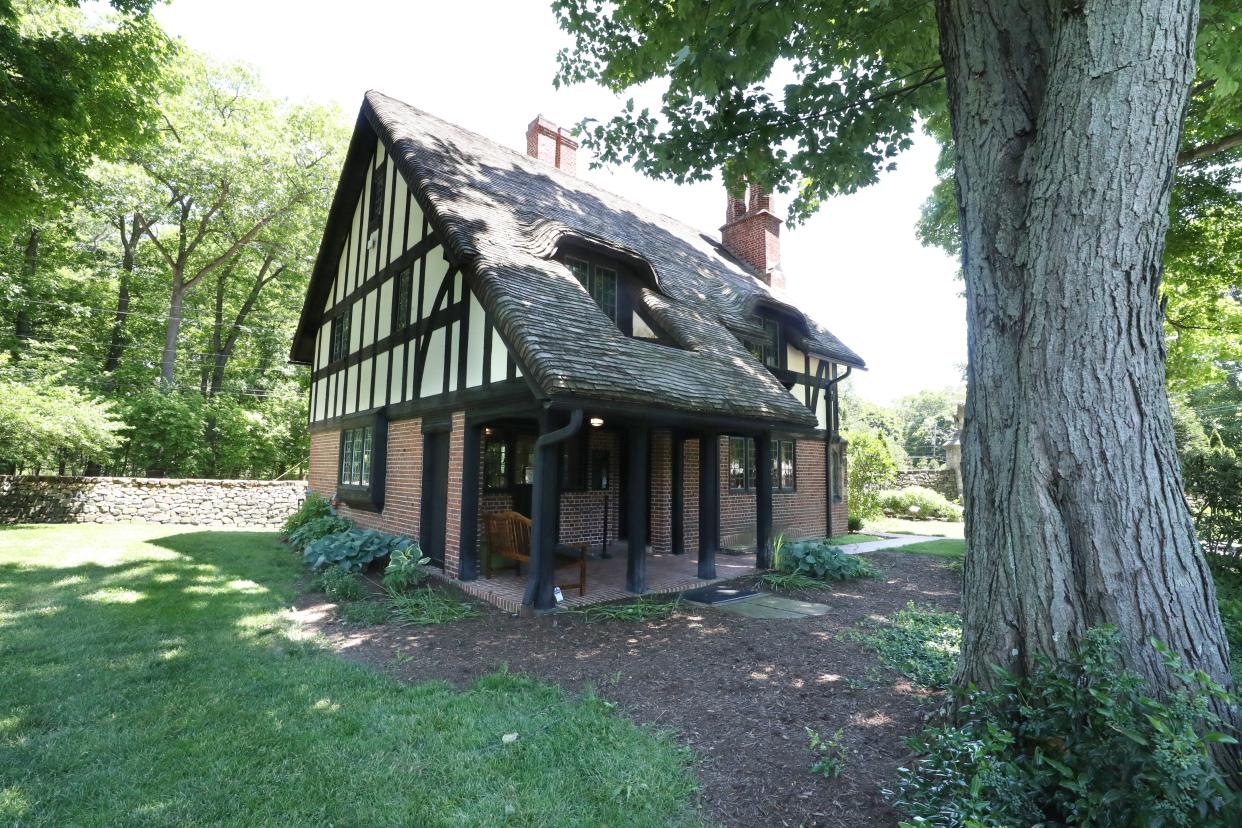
[(1066, 119), (129, 249)]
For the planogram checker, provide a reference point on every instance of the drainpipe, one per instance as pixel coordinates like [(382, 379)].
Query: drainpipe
[(544, 507), (834, 425)]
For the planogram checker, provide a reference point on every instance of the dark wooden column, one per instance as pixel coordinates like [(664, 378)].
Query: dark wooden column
[(637, 494), (545, 512), (763, 501), (709, 502), (677, 517), (468, 568)]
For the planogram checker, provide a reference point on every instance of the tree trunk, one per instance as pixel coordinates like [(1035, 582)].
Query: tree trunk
[(168, 362), (22, 324), (129, 245), (1067, 122)]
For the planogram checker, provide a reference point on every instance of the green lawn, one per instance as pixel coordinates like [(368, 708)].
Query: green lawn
[(152, 677), (946, 548), (904, 526), (854, 537)]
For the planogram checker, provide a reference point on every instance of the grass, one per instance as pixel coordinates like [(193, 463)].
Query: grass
[(426, 605), (853, 537), (789, 581), (921, 643), (152, 676), (947, 548), (644, 609), (902, 526)]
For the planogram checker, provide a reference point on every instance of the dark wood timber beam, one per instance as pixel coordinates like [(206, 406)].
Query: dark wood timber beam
[(709, 502), (637, 493), (763, 501), (471, 444), (677, 506)]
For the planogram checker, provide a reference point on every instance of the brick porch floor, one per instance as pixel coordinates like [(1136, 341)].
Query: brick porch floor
[(606, 579)]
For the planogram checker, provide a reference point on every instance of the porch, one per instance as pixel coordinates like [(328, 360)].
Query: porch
[(606, 579)]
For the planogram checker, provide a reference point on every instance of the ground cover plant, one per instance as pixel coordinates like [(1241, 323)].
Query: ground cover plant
[(1081, 741), (920, 642), (429, 605), (644, 609), (153, 676)]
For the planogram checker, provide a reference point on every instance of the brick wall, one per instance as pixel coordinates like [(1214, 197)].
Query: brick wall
[(660, 494), (797, 514), (403, 481), (456, 462)]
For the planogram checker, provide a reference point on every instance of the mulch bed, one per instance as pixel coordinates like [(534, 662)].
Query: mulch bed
[(739, 691)]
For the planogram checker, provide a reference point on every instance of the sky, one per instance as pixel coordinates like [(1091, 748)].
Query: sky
[(488, 66)]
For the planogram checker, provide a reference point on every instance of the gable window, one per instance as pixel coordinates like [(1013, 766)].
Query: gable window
[(338, 344), (375, 215), (600, 281), (742, 465), (405, 297), (357, 454)]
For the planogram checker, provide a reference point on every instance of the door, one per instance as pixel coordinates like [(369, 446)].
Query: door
[(434, 508)]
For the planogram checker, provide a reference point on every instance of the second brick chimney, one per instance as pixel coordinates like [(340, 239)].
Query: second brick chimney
[(549, 143), (752, 233)]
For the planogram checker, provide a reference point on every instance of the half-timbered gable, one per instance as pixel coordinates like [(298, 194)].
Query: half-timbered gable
[(486, 332)]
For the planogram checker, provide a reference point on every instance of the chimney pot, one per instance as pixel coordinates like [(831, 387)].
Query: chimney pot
[(552, 145)]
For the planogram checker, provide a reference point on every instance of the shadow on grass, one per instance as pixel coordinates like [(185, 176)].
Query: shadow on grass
[(153, 677)]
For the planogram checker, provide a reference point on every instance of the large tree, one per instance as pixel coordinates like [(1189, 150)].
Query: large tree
[(1067, 119)]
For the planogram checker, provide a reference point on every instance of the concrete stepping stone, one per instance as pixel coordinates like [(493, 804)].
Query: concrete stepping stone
[(768, 606)]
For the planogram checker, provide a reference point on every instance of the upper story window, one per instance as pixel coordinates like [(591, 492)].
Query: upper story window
[(375, 213), (767, 348), (338, 342), (600, 281), (405, 297)]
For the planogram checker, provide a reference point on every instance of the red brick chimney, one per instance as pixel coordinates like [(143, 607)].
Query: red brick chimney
[(752, 233), (548, 142)]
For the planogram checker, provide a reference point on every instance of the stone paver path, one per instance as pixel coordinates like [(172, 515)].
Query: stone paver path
[(765, 605), (890, 542)]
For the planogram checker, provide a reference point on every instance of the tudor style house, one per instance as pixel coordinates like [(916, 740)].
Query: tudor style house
[(490, 333)]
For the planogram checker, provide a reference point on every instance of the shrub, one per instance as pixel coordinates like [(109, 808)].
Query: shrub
[(854, 523), (824, 562), (312, 508), (919, 503), (351, 549), (870, 467), (1214, 490), (340, 586), (318, 528), (1078, 742), (404, 570)]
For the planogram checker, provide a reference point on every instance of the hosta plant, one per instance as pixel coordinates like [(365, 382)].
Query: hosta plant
[(352, 549)]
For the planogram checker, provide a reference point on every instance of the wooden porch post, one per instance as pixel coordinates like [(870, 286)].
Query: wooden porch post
[(763, 501), (709, 502), (545, 510), (677, 517), (468, 568), (637, 495)]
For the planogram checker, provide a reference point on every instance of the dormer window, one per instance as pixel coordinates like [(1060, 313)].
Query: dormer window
[(615, 284), (767, 348), (600, 281)]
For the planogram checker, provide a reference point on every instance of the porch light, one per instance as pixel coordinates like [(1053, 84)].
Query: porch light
[(596, 422)]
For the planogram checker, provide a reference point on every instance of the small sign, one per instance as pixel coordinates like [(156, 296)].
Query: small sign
[(556, 593)]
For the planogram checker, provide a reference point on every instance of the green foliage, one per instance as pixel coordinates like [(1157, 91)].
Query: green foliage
[(405, 569), (829, 753), (854, 523), (643, 609), (1078, 742), (350, 549), (789, 582), (1227, 574), (316, 528), (1213, 480), (918, 503), (312, 508), (44, 423), (364, 613), (74, 88), (871, 469), (340, 586), (426, 606), (824, 562), (921, 643)]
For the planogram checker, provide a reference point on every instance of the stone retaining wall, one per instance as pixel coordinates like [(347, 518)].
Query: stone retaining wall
[(940, 480), (148, 500)]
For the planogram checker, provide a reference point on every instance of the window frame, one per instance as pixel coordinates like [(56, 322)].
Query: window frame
[(780, 446), (375, 209), (365, 489), (769, 350), (338, 335), (403, 288)]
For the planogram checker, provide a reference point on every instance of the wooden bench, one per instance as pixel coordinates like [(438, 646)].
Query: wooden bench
[(508, 535)]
